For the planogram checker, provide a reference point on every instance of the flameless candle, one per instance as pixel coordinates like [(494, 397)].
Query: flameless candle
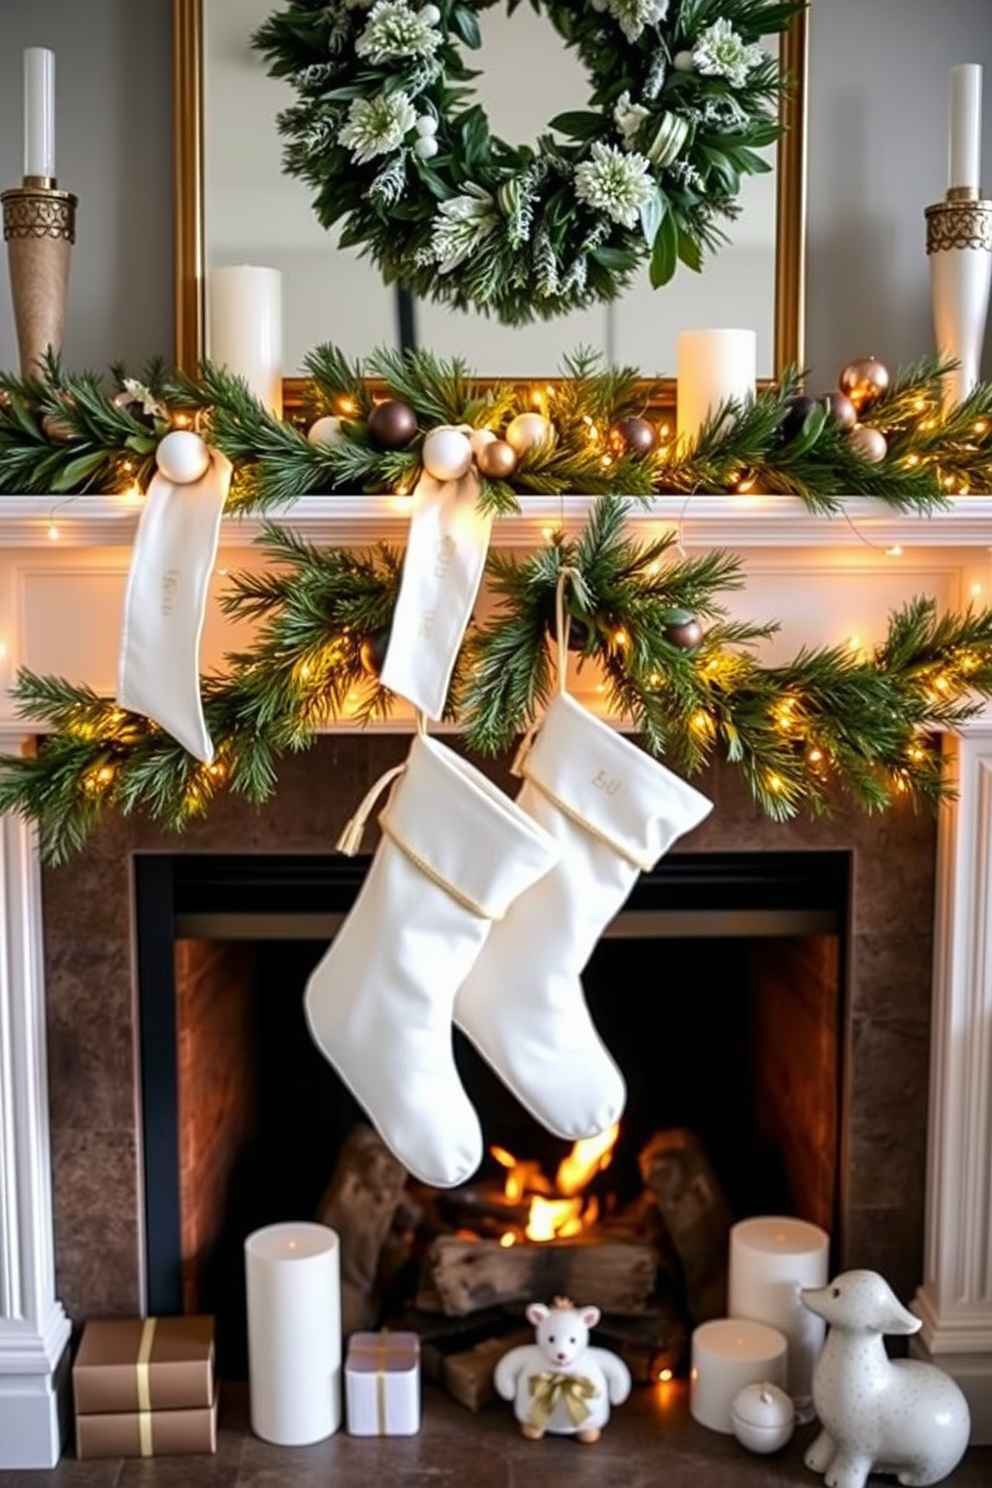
[(244, 328), (964, 165), (294, 1333), (712, 367), (39, 112), (728, 1354), (770, 1259)]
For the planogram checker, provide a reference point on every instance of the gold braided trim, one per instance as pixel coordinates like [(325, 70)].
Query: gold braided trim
[(38, 214), (142, 1366), (644, 865), (429, 871)]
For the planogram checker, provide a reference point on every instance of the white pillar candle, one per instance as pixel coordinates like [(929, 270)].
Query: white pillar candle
[(964, 163), (294, 1333), (244, 328), (712, 367), (770, 1259), (728, 1354), (39, 112)]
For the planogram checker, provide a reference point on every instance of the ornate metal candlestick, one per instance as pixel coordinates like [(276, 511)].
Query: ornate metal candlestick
[(39, 228)]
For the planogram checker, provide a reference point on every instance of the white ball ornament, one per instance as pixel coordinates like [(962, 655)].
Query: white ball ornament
[(426, 147), (430, 14), (684, 62), (479, 438), (325, 431), (182, 457), (762, 1417), (447, 453), (527, 430), (426, 124)]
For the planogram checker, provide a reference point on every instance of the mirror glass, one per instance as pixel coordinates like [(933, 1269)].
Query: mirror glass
[(253, 213)]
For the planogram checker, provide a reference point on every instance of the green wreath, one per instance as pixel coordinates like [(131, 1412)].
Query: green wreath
[(386, 134)]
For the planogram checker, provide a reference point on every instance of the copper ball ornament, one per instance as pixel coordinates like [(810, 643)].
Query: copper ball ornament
[(497, 460), (864, 381), (479, 438), (869, 443), (527, 431), (55, 429), (683, 630), (633, 436), (841, 412), (392, 424), (372, 652)]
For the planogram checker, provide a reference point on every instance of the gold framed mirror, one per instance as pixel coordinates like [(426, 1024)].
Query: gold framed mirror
[(194, 210)]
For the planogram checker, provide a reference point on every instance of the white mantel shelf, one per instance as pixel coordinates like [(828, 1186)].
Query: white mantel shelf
[(706, 521)]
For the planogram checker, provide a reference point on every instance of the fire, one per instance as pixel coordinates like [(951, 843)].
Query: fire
[(559, 1211)]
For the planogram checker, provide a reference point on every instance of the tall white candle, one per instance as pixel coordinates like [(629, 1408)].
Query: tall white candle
[(39, 112), (964, 163), (770, 1259), (244, 328), (728, 1354), (712, 367), (294, 1333)]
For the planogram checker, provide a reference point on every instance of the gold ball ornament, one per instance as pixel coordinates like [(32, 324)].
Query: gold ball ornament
[(496, 459), (447, 453), (372, 652), (54, 428), (182, 457), (392, 424), (633, 436), (479, 438), (326, 431), (527, 431), (864, 381), (869, 443), (841, 412)]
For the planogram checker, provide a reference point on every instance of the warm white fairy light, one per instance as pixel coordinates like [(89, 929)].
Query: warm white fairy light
[(53, 532)]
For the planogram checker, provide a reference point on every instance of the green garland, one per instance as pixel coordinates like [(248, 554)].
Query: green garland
[(830, 720), (66, 433), (386, 135)]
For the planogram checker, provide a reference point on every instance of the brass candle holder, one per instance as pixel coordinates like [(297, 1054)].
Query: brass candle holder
[(959, 247), (39, 228)]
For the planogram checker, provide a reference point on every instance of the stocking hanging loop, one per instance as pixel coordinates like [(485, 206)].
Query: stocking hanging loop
[(563, 622)]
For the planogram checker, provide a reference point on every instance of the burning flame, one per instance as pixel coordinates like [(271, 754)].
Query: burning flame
[(562, 1210)]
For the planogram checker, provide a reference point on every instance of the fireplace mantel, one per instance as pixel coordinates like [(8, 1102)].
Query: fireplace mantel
[(825, 580)]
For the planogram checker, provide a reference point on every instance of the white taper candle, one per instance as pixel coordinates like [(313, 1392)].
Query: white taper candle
[(39, 112), (964, 163)]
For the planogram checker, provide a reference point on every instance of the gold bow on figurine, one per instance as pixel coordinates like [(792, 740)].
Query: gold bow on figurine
[(548, 1389)]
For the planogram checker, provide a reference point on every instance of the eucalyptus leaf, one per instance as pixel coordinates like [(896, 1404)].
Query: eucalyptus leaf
[(664, 252)]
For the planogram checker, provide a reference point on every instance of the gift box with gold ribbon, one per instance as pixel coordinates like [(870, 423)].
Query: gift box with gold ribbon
[(145, 1387), (382, 1384)]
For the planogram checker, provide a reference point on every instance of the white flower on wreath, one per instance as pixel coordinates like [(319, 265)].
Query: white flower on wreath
[(461, 224), (720, 52), (394, 30), (633, 15), (614, 182), (376, 126), (628, 117)]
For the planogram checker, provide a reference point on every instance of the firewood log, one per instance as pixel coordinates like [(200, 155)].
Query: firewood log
[(677, 1171), (359, 1205), (617, 1276)]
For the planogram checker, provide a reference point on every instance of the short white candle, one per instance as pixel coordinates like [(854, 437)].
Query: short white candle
[(713, 366), (244, 327), (294, 1333), (728, 1354), (770, 1259), (964, 163), (39, 112)]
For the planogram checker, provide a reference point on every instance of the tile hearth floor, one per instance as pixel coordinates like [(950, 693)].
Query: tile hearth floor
[(646, 1444)]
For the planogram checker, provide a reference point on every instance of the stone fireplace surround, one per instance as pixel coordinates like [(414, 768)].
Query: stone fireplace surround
[(68, 1098)]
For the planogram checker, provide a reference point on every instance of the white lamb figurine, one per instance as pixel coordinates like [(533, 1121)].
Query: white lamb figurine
[(560, 1384), (884, 1415)]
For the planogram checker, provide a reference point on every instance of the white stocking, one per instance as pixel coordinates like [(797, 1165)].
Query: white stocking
[(455, 853), (614, 811)]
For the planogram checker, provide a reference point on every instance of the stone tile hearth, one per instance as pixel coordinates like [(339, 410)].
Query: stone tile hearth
[(91, 1014)]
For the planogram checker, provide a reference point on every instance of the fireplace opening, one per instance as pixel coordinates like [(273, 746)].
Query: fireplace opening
[(719, 990)]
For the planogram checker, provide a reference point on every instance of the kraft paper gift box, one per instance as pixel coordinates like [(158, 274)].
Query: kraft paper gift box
[(145, 1387), (382, 1384)]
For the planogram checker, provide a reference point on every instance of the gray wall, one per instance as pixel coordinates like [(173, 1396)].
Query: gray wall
[(877, 156)]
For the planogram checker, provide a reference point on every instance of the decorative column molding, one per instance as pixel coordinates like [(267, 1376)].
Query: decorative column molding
[(955, 1299), (34, 1330)]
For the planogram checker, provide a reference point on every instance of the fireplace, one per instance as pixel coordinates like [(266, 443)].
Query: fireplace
[(914, 1183)]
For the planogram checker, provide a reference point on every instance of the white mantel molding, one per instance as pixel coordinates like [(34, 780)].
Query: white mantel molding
[(823, 578)]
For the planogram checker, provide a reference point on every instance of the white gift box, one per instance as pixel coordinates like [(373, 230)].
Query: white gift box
[(382, 1384)]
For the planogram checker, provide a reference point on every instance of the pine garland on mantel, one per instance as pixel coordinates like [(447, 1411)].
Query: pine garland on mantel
[(64, 433), (672, 664)]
